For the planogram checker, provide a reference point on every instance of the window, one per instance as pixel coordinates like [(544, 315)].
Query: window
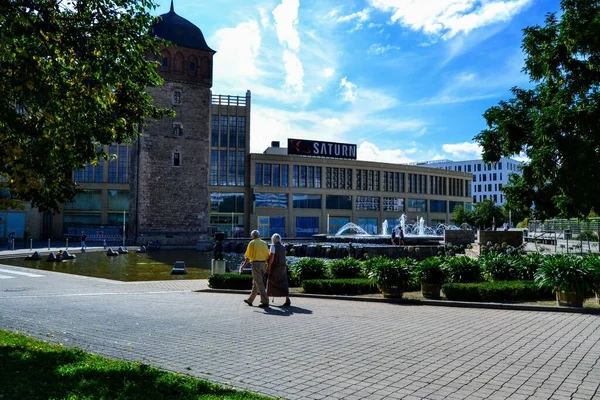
[(214, 165), (285, 175), (177, 129), (338, 202), (393, 204), (368, 224), (307, 226), (165, 63), (367, 203), (176, 159), (177, 97), (214, 131), (271, 200), (258, 175), (416, 205), (437, 206), (453, 204), (192, 66), (306, 201), (474, 178)]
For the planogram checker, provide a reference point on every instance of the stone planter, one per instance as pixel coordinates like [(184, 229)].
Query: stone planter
[(391, 291), (431, 290), (569, 299)]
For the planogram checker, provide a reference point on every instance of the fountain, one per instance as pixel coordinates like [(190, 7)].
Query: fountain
[(384, 227), (421, 227), (351, 229)]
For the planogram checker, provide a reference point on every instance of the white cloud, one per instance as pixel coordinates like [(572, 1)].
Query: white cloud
[(379, 49), (463, 151), (294, 71), (360, 16), (447, 18), (286, 19), (368, 151), (237, 52), (328, 72), (348, 90)]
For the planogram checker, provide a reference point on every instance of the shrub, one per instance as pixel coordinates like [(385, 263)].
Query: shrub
[(346, 268), (462, 269), (230, 281), (430, 271), (500, 267), (524, 223), (309, 268), (387, 272), (497, 292), (569, 273), (528, 265), (348, 287)]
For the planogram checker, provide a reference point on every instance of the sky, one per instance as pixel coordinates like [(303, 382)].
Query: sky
[(404, 80)]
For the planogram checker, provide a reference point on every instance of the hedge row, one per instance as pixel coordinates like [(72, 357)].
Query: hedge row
[(230, 281), (496, 292), (348, 287)]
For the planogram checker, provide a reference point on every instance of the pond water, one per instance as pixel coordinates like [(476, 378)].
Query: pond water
[(152, 266)]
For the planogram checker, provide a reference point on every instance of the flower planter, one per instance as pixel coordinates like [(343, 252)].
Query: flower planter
[(391, 292), (569, 299), (431, 290)]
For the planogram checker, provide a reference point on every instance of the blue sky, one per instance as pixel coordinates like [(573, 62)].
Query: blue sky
[(405, 80)]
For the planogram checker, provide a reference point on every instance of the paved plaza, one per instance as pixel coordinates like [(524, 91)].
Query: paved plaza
[(316, 349)]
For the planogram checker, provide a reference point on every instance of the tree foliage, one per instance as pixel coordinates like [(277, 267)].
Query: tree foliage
[(73, 77), (555, 124)]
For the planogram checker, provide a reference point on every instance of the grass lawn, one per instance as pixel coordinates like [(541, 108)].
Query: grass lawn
[(33, 369)]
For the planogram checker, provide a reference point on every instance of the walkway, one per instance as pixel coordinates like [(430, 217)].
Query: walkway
[(316, 349)]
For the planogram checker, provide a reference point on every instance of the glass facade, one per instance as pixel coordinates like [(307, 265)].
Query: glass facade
[(416, 205), (228, 153), (437, 206), (306, 176), (86, 200), (227, 203), (271, 200), (338, 202), (118, 200), (307, 226), (268, 226), (307, 201), (227, 213), (275, 175), (393, 204), (364, 203)]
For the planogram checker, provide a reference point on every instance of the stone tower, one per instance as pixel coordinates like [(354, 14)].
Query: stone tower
[(169, 199)]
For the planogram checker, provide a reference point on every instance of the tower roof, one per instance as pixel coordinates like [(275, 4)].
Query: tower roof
[(180, 31)]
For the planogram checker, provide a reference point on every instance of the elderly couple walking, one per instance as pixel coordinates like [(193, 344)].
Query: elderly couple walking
[(267, 261)]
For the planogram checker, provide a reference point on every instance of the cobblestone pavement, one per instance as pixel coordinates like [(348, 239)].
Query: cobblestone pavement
[(316, 349)]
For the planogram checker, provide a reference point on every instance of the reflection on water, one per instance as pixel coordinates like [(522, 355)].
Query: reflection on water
[(153, 266)]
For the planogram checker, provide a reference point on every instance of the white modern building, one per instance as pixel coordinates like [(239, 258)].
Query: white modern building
[(488, 179)]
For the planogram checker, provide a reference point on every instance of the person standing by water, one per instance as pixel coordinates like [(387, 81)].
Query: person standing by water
[(257, 255), (393, 237), (401, 237), (83, 238), (277, 282)]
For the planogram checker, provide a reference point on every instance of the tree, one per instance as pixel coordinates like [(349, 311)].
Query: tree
[(555, 124), (460, 216), (73, 77), (486, 214)]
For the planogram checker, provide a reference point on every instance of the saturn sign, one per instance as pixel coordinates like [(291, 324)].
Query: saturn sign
[(321, 149)]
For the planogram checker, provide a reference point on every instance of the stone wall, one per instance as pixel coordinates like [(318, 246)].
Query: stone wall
[(170, 203), (512, 238), (459, 237)]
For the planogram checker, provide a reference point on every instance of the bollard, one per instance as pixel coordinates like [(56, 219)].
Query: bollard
[(48, 244), (13, 244), (67, 246), (30, 244)]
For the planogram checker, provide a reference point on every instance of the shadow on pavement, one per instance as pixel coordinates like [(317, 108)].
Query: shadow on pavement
[(286, 311)]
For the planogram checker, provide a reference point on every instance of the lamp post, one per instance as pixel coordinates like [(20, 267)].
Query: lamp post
[(123, 228)]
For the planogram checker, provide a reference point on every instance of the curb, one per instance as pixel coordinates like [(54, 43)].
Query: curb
[(439, 303)]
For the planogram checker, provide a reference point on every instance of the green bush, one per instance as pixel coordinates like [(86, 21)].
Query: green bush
[(497, 292), (348, 287), (569, 273), (309, 268), (500, 267), (529, 264), (463, 269), (230, 281), (430, 271), (346, 268)]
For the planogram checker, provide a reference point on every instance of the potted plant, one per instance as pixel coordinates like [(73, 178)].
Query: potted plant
[(431, 276), (390, 275), (570, 276)]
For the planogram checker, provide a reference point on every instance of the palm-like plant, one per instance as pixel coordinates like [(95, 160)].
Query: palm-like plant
[(463, 269), (430, 270), (570, 276), (391, 275)]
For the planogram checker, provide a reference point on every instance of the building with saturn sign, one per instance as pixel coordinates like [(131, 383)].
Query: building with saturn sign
[(190, 176)]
